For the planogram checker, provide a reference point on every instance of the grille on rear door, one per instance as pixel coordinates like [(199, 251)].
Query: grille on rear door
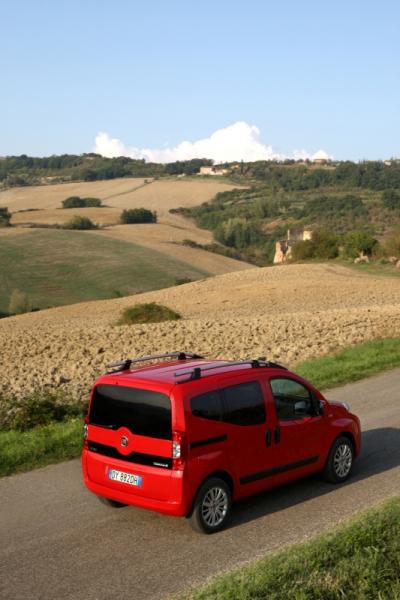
[(134, 457)]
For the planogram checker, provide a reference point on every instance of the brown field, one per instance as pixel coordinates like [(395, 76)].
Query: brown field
[(160, 195), (286, 313), (54, 216), (51, 196)]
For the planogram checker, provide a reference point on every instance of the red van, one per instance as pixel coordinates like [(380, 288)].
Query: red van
[(187, 436)]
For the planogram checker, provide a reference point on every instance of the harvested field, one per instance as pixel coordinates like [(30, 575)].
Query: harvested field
[(287, 313), (160, 195), (51, 196), (166, 236), (54, 216)]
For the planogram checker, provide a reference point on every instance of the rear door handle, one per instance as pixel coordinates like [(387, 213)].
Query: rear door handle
[(277, 435), (268, 437)]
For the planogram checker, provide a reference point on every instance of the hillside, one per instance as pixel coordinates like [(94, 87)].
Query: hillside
[(56, 267), (285, 313), (143, 257)]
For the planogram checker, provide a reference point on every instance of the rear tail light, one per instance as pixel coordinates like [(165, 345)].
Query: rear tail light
[(178, 450), (85, 432)]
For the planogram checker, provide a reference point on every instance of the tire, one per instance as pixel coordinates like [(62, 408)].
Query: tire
[(340, 461), (111, 503), (212, 506)]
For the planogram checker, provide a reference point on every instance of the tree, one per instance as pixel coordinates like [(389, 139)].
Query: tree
[(391, 199), (80, 223), (138, 215), (5, 217)]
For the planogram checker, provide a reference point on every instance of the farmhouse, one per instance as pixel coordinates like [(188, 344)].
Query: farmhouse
[(283, 248), (212, 171)]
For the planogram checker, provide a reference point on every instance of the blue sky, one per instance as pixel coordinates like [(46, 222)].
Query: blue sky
[(308, 75)]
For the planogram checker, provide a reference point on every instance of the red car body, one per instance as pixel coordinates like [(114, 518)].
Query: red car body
[(162, 470)]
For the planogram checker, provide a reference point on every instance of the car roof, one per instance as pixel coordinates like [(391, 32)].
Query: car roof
[(183, 371)]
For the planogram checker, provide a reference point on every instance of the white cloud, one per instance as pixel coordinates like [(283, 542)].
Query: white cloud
[(239, 141)]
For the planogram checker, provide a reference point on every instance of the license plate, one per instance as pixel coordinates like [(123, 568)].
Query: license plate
[(122, 477)]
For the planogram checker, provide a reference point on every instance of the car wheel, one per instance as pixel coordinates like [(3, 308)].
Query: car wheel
[(212, 506), (111, 503), (340, 461)]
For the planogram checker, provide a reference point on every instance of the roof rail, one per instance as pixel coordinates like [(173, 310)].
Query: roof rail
[(125, 364), (257, 363)]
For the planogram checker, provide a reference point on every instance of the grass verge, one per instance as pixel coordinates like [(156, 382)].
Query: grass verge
[(351, 364), (40, 446), (358, 560), (21, 451)]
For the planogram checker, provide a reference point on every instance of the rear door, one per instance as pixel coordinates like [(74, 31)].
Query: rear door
[(130, 439)]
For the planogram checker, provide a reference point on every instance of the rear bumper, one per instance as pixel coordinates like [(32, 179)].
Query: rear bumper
[(174, 502)]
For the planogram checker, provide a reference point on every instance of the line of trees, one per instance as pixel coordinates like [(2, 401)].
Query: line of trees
[(28, 170)]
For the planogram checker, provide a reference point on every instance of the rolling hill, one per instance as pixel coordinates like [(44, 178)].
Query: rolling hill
[(287, 313)]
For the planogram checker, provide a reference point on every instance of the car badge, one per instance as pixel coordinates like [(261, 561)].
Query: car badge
[(124, 440)]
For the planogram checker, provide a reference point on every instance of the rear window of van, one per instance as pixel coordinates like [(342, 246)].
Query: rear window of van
[(143, 412)]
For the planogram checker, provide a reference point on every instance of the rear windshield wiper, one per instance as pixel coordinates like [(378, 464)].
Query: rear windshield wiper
[(112, 426)]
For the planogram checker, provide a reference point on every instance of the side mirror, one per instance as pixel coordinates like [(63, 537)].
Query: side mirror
[(320, 407), (300, 408)]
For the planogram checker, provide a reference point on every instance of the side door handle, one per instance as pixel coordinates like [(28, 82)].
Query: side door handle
[(268, 437), (277, 435)]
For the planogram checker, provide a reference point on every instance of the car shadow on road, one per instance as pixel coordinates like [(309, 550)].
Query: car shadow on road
[(380, 452)]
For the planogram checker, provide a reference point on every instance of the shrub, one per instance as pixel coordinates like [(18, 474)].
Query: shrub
[(80, 223), (357, 242), (147, 313), (19, 303), (40, 408), (138, 215), (73, 202), (325, 244), (391, 245), (78, 202), (5, 217), (92, 202), (322, 245), (302, 250)]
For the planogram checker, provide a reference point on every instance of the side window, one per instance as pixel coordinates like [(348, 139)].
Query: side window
[(207, 406), (244, 404), (292, 399)]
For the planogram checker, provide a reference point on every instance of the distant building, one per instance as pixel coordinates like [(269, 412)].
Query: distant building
[(392, 161), (212, 171), (283, 248), (321, 158)]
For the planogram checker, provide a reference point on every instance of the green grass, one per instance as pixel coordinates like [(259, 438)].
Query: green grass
[(351, 364), (40, 446), (56, 267), (360, 560), (149, 312)]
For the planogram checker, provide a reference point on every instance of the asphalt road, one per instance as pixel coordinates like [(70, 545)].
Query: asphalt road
[(58, 542)]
